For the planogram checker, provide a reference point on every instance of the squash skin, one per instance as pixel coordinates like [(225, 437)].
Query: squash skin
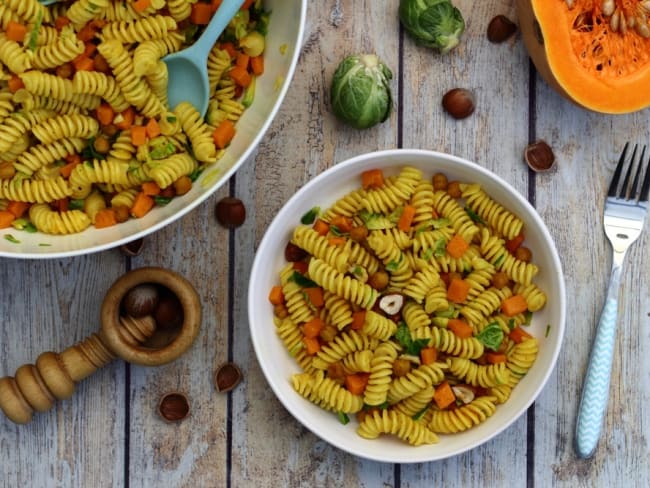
[(555, 62)]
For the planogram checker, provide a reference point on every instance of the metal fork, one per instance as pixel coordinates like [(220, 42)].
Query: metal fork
[(625, 210)]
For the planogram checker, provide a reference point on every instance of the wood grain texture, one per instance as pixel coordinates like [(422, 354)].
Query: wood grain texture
[(109, 433)]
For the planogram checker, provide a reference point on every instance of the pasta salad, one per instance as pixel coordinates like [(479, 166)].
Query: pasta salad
[(406, 303), (87, 136)]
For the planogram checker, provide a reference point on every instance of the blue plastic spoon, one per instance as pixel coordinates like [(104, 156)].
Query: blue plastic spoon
[(188, 69)]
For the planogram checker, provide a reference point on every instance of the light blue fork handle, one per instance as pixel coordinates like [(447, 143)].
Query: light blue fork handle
[(595, 391)]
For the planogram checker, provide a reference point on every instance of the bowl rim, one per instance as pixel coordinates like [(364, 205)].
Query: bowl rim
[(210, 190), (403, 154)]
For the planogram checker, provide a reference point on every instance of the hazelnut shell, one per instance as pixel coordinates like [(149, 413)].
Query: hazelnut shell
[(226, 377), (173, 406), (539, 156), (500, 29)]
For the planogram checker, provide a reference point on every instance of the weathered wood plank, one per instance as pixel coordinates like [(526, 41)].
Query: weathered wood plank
[(270, 448), (498, 76), (571, 202), (48, 306), (192, 452)]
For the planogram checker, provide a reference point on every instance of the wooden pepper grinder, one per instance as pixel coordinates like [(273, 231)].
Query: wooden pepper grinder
[(53, 377)]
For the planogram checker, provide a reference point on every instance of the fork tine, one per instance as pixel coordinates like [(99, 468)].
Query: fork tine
[(645, 187), (637, 174), (626, 180), (617, 173)]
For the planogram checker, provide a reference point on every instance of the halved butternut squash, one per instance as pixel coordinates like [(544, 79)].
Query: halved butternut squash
[(594, 52)]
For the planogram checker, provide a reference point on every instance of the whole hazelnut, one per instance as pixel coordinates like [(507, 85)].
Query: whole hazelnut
[(141, 300), (539, 156), (132, 248), (500, 29), (458, 102), (169, 312), (173, 407), (231, 212)]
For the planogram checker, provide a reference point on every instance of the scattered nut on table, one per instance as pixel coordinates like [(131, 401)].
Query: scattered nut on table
[(539, 156), (459, 103), (226, 377), (173, 407), (231, 212), (500, 29)]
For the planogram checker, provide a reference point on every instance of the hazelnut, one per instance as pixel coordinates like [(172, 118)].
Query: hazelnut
[(231, 212), (459, 103), (173, 407), (293, 253), (169, 312), (463, 393), (391, 304), (539, 156), (133, 248), (500, 29), (141, 300), (227, 376)]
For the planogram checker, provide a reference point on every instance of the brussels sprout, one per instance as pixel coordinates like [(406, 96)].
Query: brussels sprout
[(433, 23), (360, 93)]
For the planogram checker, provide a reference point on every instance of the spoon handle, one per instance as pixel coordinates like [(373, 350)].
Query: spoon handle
[(217, 25)]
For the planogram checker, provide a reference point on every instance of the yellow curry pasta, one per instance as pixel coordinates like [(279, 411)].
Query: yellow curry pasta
[(406, 304)]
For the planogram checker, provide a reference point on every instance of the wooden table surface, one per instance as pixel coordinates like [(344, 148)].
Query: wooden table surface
[(108, 434)]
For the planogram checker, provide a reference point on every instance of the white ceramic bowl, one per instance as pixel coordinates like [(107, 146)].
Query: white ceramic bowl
[(278, 365), (284, 41)]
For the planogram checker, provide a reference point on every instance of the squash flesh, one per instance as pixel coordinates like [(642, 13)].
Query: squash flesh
[(597, 68)]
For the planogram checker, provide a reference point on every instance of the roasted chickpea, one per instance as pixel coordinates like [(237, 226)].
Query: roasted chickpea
[(500, 280), (65, 70), (524, 254), (453, 189), (401, 367), (109, 130), (280, 311), (101, 145), (454, 275), (101, 64), (359, 233), (335, 371), (182, 185), (378, 280), (121, 213), (439, 182)]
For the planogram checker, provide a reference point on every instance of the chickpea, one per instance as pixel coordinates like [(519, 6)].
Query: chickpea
[(524, 254), (359, 233), (335, 371), (401, 367), (280, 311), (66, 70), (500, 280), (378, 280), (182, 185), (101, 64), (109, 130), (7, 170), (101, 144), (454, 275), (121, 213), (453, 189), (439, 182)]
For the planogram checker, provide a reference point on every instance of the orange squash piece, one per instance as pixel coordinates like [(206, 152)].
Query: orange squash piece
[(579, 53)]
